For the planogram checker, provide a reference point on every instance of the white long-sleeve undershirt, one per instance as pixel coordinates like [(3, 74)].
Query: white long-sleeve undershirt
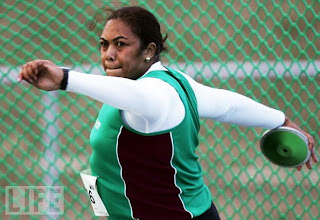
[(151, 105)]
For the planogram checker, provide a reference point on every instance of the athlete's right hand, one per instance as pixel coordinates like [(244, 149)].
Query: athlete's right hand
[(42, 74)]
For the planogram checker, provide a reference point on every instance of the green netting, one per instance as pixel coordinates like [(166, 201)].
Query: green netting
[(267, 50)]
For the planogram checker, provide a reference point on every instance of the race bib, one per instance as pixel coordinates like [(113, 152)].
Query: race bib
[(90, 183)]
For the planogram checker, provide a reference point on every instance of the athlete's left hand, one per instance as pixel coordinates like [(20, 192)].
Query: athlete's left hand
[(289, 123)]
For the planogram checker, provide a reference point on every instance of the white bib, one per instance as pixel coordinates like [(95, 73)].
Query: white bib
[(90, 183)]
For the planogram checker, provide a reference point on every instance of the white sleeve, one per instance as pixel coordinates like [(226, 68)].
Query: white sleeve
[(230, 107), (148, 105)]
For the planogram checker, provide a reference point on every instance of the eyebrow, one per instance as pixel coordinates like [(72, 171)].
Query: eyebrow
[(115, 39)]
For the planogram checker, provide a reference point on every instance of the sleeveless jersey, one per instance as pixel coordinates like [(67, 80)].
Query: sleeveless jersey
[(150, 176)]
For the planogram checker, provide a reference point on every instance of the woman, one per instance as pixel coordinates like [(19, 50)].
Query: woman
[(146, 133)]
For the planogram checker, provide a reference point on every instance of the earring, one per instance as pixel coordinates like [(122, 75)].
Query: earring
[(147, 59)]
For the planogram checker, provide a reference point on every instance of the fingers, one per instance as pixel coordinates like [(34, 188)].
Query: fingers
[(309, 164), (26, 72), (43, 74), (312, 149), (313, 155), (20, 77), (30, 71)]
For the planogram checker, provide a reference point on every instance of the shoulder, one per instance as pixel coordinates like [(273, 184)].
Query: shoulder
[(193, 83), (157, 70), (158, 86)]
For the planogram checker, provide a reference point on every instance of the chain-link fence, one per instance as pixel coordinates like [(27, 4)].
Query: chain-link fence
[(267, 50)]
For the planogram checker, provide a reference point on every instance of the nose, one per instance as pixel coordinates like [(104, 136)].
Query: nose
[(109, 54)]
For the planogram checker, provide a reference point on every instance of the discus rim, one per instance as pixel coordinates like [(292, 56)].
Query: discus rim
[(296, 132)]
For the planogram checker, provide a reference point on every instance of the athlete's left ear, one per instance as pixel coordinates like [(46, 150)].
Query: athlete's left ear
[(150, 51)]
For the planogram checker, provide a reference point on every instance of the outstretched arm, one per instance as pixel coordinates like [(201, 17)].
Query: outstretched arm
[(230, 107), (148, 105), (234, 108)]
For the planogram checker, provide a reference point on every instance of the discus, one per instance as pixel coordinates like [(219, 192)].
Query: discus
[(285, 147)]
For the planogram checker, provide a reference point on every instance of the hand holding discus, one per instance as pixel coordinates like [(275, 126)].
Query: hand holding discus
[(289, 146)]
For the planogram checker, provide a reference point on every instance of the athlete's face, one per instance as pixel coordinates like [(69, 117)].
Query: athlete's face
[(121, 55)]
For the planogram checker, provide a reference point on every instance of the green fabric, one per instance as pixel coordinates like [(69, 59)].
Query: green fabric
[(104, 162), (195, 195)]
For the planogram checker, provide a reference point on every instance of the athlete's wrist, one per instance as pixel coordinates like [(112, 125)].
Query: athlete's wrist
[(286, 120), (64, 81)]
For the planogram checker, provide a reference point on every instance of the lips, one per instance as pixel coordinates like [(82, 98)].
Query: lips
[(113, 71), (112, 68)]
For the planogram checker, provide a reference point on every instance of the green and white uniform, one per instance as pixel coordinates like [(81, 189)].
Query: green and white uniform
[(145, 137), (150, 176)]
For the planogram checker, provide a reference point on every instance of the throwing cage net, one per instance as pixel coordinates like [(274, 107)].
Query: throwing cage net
[(266, 50)]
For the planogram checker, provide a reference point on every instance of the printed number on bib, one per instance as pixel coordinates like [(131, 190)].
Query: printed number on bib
[(90, 183)]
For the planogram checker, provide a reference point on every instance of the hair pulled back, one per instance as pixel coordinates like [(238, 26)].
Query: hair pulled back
[(142, 23)]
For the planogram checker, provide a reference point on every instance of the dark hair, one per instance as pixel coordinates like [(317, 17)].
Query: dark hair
[(142, 23)]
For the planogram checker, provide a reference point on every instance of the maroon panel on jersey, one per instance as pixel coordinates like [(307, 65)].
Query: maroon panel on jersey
[(149, 177)]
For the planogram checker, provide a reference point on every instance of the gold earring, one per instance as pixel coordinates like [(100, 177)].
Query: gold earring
[(147, 59)]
